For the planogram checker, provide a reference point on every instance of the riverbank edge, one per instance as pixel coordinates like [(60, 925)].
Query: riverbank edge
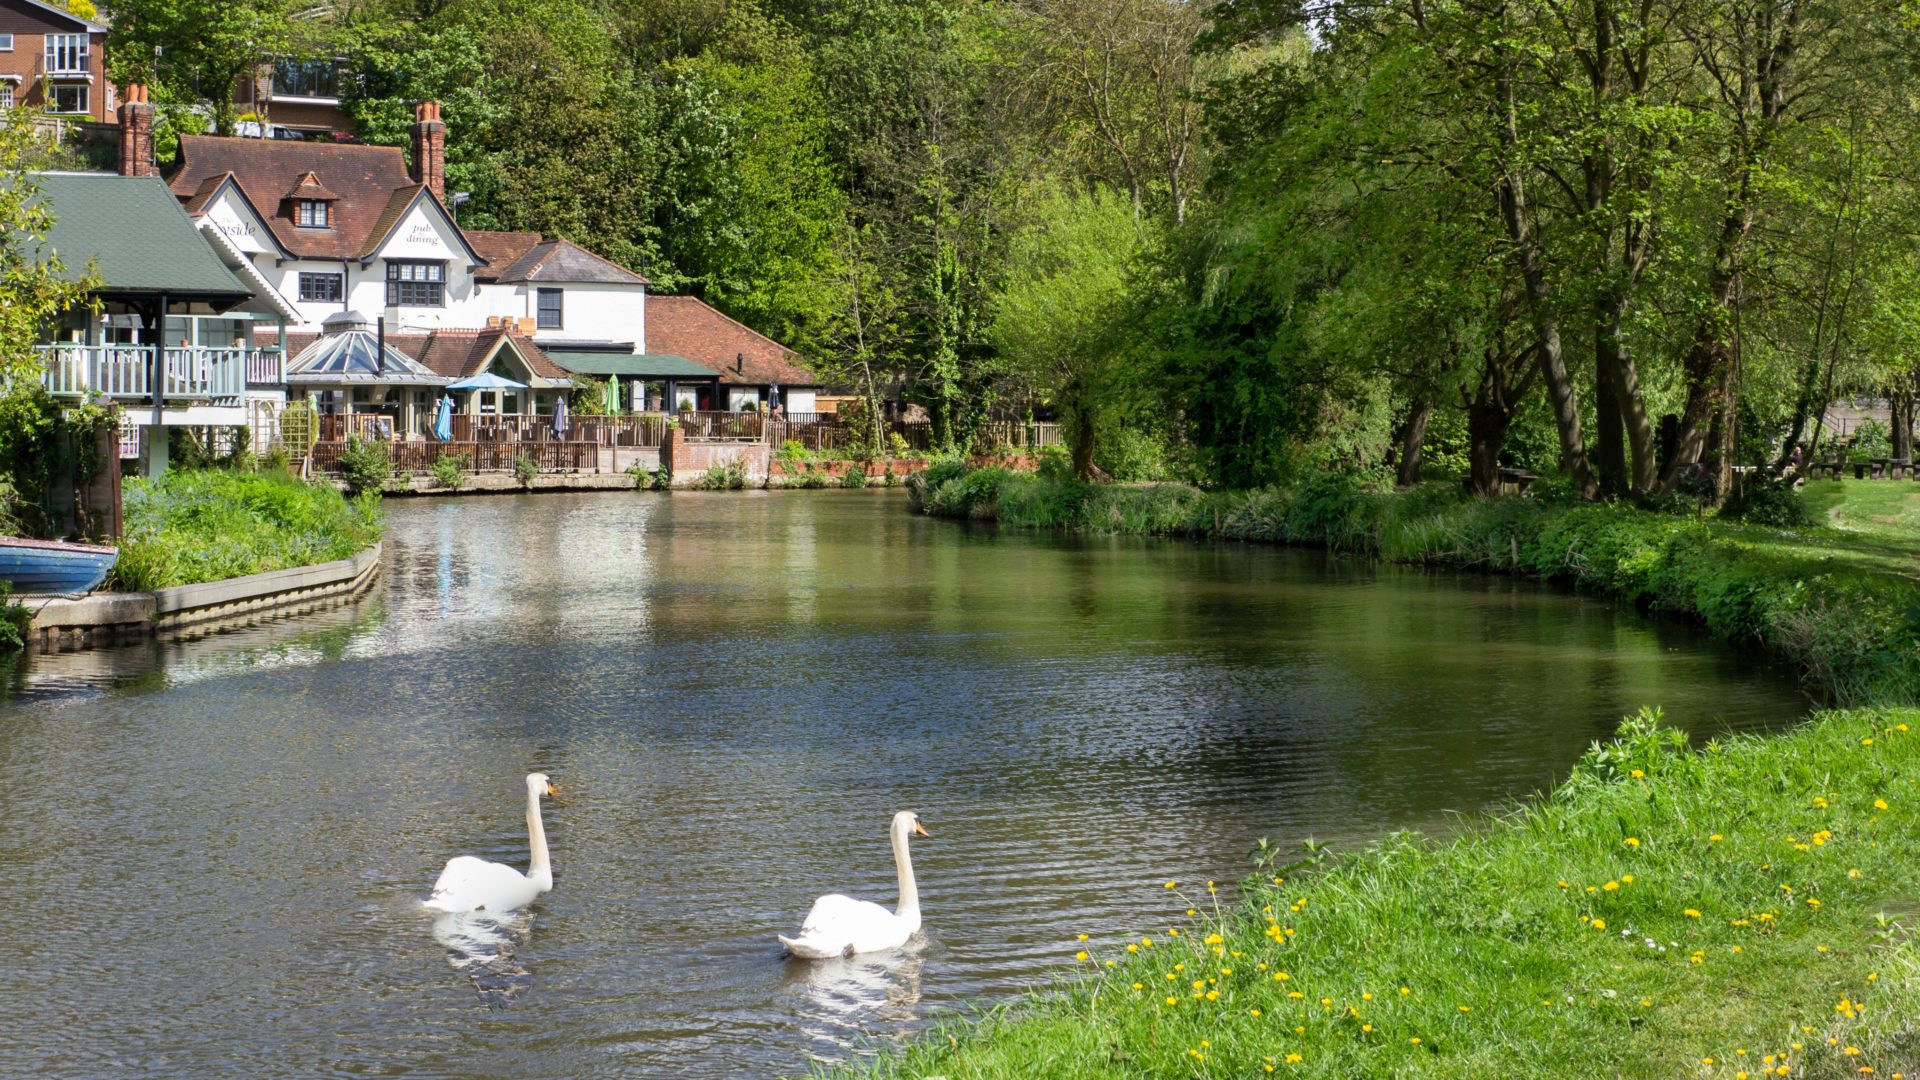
[(1663, 912), (61, 624), (1852, 634)]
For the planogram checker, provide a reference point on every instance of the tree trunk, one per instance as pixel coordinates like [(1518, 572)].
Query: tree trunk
[(1902, 400), (1487, 423), (1561, 394), (1413, 438), (1610, 448)]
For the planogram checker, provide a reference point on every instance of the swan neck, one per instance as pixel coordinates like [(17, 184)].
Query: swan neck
[(540, 867), (909, 908)]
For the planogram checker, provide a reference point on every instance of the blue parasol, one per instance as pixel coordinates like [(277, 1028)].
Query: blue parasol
[(443, 420)]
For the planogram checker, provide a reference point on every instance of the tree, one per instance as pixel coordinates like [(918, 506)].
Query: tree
[(1055, 316)]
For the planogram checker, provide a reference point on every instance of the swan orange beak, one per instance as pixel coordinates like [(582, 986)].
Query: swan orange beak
[(921, 830)]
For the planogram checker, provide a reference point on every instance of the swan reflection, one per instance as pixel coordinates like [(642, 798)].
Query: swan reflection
[(481, 946), (846, 1003)]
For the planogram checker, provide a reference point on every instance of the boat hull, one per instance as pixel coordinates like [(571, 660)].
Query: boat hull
[(45, 566)]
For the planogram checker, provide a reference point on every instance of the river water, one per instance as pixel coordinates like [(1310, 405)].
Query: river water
[(212, 854)]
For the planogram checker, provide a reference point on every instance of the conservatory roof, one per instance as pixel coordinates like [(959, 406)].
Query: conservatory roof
[(354, 356)]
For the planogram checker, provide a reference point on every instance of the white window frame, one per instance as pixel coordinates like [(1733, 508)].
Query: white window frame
[(71, 47), (6, 95), (53, 91), (405, 276), (6, 42)]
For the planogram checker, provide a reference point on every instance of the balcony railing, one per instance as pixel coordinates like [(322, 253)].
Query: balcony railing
[(266, 367), (125, 372)]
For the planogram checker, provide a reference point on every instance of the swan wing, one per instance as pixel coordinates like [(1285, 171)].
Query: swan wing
[(840, 925), (470, 884)]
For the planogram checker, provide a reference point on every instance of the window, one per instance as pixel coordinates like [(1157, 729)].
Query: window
[(312, 214), (66, 54), (6, 95), (6, 42), (306, 78), (67, 98), (416, 284), (320, 287), (548, 309)]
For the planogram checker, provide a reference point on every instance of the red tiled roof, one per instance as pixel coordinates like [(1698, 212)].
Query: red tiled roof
[(364, 179), (687, 326), (308, 187), (500, 249)]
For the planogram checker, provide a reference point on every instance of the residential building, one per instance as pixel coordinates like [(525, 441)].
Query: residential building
[(170, 339), (296, 98), (53, 61)]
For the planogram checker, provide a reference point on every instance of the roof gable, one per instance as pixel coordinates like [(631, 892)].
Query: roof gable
[(221, 204), (563, 262), (416, 226)]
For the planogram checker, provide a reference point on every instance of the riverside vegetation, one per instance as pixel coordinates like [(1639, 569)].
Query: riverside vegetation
[(207, 524), (1738, 912)]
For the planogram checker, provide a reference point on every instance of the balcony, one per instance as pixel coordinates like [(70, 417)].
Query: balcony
[(125, 372)]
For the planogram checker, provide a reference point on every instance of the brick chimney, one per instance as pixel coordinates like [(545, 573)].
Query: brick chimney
[(136, 133), (429, 138)]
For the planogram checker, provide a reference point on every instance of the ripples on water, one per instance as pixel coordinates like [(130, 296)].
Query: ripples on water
[(213, 853)]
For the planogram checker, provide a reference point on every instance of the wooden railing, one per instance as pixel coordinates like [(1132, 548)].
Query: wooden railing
[(723, 426), (125, 372), (266, 367), (479, 457), (507, 429)]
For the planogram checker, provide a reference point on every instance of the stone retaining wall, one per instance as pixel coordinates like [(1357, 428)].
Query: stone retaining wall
[(192, 610)]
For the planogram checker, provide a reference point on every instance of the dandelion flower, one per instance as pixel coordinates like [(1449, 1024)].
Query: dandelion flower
[(1294, 1059), (1632, 841), (1716, 838), (1599, 924), (1405, 990), (1637, 773), (1415, 1040), (1171, 884), (1081, 956), (1879, 804), (1692, 913)]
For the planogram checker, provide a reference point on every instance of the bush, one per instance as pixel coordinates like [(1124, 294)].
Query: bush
[(194, 526), (644, 478), (1766, 500), (277, 460), (731, 476), (364, 465), (525, 468), (15, 620), (807, 475), (450, 471), (1872, 441), (854, 477)]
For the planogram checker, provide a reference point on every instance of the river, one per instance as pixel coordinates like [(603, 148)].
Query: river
[(214, 852)]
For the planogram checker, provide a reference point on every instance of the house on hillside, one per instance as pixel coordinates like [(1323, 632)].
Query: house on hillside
[(170, 343), (53, 61)]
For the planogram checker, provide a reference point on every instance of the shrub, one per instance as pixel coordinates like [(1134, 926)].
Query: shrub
[(807, 475), (1872, 441), (1766, 500), (732, 476), (897, 445), (854, 477), (644, 477), (15, 619), (525, 468), (450, 471), (193, 526), (277, 460), (364, 465)]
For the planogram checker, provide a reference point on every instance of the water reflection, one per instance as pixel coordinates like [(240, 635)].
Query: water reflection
[(733, 690), (842, 1004), (483, 947)]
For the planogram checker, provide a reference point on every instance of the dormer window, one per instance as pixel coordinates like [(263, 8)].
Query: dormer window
[(313, 213)]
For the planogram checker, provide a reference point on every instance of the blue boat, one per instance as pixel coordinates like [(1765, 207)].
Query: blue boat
[(50, 566)]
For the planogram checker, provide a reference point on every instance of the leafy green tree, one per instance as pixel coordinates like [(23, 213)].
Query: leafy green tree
[(1057, 314)]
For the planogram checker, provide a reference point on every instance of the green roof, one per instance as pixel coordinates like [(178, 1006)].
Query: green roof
[(631, 365), (138, 238)]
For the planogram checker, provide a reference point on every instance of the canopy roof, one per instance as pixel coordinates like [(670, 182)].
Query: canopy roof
[(349, 352), (140, 242), (632, 365)]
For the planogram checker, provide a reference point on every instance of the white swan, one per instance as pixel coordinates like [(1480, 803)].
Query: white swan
[(470, 884), (842, 926)]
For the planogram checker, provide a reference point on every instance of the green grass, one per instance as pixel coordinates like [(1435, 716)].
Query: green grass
[(1839, 598), (204, 525), (1662, 914)]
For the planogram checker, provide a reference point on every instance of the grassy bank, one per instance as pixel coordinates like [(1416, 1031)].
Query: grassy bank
[(1738, 912), (208, 524), (1839, 597)]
